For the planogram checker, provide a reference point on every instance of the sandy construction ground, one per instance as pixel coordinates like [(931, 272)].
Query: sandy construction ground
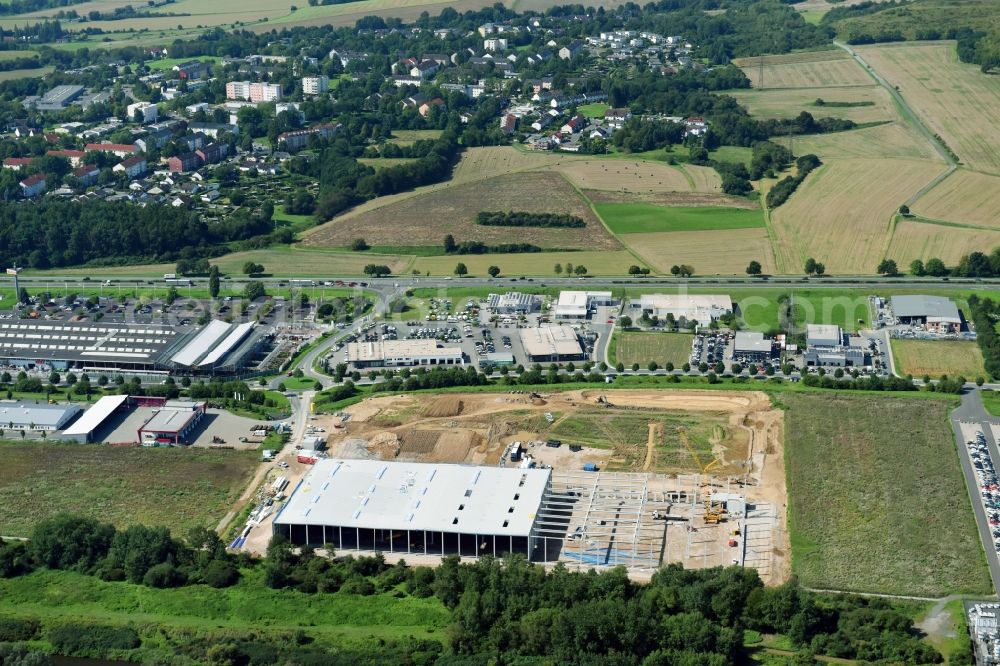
[(746, 453)]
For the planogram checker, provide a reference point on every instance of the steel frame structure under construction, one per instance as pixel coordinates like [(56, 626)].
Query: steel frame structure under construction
[(599, 519)]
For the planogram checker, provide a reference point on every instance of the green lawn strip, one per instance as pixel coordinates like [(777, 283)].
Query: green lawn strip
[(56, 595), (877, 500), (647, 218)]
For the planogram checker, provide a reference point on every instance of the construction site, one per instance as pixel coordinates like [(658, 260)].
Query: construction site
[(636, 478)]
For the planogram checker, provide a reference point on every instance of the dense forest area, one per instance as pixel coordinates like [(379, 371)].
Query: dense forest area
[(505, 611), (53, 233)]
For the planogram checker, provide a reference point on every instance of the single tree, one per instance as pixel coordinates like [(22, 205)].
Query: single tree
[(904, 210), (888, 267), (213, 282), (558, 269), (625, 321), (580, 270), (461, 269), (449, 244), (810, 266), (494, 271), (917, 268), (753, 268), (359, 245)]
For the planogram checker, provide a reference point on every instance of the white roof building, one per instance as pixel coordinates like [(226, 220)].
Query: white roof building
[(703, 309), (25, 416), (395, 353), (433, 509), (824, 335), (577, 304), (551, 342)]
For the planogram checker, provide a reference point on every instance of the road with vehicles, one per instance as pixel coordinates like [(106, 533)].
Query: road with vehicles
[(972, 412)]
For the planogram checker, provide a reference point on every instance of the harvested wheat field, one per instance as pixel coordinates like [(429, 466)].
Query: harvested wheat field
[(710, 252), (426, 218), (682, 199), (895, 140), (913, 239), (841, 214), (965, 196), (788, 103), (814, 69), (639, 176), (956, 100)]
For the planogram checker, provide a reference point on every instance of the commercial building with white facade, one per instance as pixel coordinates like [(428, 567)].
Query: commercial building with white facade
[(551, 343), (513, 302), (580, 304), (936, 313), (402, 353), (415, 508), (31, 416), (700, 308), (828, 345)]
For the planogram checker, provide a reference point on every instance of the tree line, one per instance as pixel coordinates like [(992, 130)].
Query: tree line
[(55, 233), (785, 187), (502, 611), (984, 313), (524, 219)]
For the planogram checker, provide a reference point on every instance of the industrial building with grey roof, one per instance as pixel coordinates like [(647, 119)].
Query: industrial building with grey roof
[(935, 312), (128, 347)]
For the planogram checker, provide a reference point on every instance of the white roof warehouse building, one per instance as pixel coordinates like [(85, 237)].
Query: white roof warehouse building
[(935, 312), (402, 353), (551, 343), (702, 309), (578, 304), (415, 508), (29, 416), (100, 346)]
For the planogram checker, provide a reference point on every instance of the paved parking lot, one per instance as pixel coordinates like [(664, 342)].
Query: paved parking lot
[(216, 423)]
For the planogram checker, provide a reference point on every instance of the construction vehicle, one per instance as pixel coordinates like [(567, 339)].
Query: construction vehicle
[(704, 468), (715, 512), (603, 401)]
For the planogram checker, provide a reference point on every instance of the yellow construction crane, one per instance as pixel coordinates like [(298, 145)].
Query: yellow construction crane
[(682, 433)]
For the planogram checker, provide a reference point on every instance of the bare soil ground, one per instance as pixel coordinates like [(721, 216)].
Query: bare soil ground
[(737, 436)]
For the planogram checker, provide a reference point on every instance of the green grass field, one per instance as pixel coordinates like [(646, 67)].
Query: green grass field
[(178, 488), (641, 348), (646, 218), (877, 500), (164, 64), (595, 110), (51, 595), (938, 357)]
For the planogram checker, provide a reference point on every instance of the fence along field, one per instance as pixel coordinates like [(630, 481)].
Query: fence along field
[(955, 100), (877, 499)]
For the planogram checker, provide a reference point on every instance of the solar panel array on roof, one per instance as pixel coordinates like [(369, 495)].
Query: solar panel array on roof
[(74, 341)]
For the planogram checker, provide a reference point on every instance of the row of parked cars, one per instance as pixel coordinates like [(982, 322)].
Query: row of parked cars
[(989, 489)]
